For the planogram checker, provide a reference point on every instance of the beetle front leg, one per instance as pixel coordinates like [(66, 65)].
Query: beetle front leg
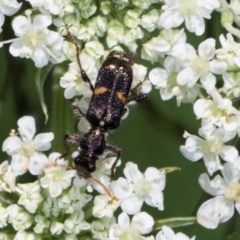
[(69, 138)]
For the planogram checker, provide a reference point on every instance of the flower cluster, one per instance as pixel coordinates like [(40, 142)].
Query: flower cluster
[(61, 204)]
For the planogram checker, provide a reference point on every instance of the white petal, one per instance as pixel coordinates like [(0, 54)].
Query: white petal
[(158, 77), (40, 22), (27, 127), (19, 164), (12, 145), (195, 23), (229, 153), (17, 48), (191, 155), (218, 67), (237, 205), (214, 211), (20, 25), (131, 172), (207, 49), (199, 108), (131, 205), (37, 163), (122, 188), (208, 81), (166, 234), (10, 8), (171, 19), (143, 222), (155, 199), (40, 57), (123, 220), (215, 187), (187, 77), (43, 141)]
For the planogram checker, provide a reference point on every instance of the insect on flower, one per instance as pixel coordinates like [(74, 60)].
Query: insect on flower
[(110, 95)]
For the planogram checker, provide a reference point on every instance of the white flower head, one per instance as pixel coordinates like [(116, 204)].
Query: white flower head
[(201, 65), (76, 223), (192, 12), (104, 206), (149, 20), (168, 234), (26, 149), (138, 188), (7, 177), (56, 178), (230, 51), (166, 81), (231, 84), (218, 111), (210, 149), (34, 40), (226, 191), (30, 196), (100, 227), (42, 223), (18, 218), (141, 223)]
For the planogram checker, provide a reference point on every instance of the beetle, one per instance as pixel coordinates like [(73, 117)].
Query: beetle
[(107, 107)]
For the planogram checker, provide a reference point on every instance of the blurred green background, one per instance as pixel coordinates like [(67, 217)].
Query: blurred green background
[(150, 136)]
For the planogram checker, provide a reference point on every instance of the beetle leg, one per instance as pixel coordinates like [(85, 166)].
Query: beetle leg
[(117, 151)]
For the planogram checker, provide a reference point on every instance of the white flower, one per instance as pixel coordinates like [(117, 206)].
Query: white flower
[(24, 235), (166, 81), (26, 151), (8, 8), (35, 41), (42, 223), (148, 21), (226, 191), (73, 200), (131, 18), (115, 34), (230, 51), (18, 218), (56, 178), (100, 227), (75, 223), (139, 188), (201, 66), (72, 80), (142, 223), (190, 11), (30, 196), (50, 207), (3, 216), (139, 75), (7, 178), (104, 206), (218, 111), (54, 7), (168, 40), (231, 84), (210, 149), (168, 234)]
